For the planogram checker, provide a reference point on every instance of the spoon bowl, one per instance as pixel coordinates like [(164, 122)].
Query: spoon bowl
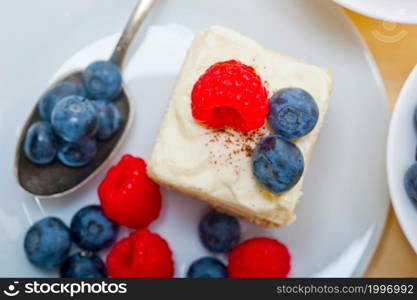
[(55, 179)]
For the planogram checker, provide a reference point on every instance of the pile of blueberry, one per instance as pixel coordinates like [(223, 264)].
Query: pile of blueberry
[(74, 117), (48, 242), (219, 233), (277, 162)]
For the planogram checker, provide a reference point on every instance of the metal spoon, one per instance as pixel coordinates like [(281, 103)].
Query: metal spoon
[(55, 179)]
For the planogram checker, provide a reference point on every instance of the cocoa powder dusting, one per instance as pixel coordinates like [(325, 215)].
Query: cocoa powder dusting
[(233, 146)]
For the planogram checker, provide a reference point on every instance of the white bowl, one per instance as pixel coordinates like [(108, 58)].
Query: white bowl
[(402, 141), (399, 11)]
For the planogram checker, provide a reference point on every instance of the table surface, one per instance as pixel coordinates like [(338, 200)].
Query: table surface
[(394, 47)]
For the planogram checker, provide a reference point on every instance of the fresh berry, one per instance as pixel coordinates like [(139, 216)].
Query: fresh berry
[(83, 265), (207, 267), (410, 182), (293, 113), (142, 254), (40, 143), (76, 154), (102, 80), (47, 243), (219, 232), (128, 196), (75, 119), (230, 94), (259, 258), (109, 117), (277, 164), (56, 94), (91, 230)]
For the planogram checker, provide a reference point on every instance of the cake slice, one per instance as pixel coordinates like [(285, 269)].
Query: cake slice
[(215, 165)]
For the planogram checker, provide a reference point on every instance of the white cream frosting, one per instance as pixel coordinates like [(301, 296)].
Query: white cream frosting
[(212, 165)]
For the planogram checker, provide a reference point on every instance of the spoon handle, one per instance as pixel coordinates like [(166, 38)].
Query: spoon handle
[(141, 10)]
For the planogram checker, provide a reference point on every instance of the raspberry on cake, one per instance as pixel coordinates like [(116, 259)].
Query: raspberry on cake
[(231, 95)]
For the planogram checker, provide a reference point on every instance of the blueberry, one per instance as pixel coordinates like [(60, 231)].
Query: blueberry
[(83, 265), (293, 113), (77, 154), (75, 119), (410, 182), (109, 117), (102, 80), (219, 232), (55, 94), (277, 164), (47, 243), (40, 143), (207, 267), (91, 229)]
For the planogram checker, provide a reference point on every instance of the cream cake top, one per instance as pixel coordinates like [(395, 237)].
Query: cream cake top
[(217, 163)]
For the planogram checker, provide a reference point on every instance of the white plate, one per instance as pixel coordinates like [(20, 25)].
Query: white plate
[(401, 155), (341, 215), (400, 11)]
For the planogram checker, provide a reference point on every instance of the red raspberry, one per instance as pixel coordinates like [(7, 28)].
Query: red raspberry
[(142, 254), (128, 196), (259, 258), (230, 94)]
